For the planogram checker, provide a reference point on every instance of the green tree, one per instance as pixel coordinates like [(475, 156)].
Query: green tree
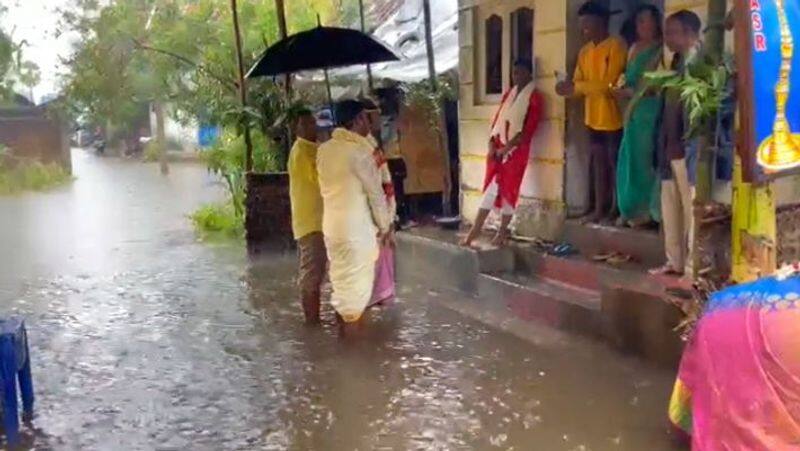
[(29, 76), (176, 51)]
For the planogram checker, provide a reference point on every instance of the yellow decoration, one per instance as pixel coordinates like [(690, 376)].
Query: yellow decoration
[(781, 150), (754, 229)]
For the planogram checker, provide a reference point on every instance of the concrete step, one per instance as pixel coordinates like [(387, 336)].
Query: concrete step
[(645, 246), (433, 256), (572, 270), (579, 271), (546, 301)]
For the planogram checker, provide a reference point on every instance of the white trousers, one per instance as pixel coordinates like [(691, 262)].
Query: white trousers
[(676, 213), (490, 199)]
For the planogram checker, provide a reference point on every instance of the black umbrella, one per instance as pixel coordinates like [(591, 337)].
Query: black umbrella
[(320, 48)]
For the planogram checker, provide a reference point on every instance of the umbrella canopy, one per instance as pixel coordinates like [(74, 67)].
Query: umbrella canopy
[(320, 48)]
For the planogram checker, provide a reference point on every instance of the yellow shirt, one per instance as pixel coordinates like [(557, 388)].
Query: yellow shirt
[(304, 189), (599, 67)]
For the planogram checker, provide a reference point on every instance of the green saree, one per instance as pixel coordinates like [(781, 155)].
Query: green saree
[(638, 185)]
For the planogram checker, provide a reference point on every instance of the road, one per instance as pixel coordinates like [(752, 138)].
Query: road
[(144, 338)]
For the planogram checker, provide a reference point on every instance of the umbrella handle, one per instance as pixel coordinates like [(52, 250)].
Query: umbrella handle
[(330, 96)]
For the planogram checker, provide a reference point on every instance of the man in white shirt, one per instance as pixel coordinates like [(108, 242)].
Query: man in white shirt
[(356, 217)]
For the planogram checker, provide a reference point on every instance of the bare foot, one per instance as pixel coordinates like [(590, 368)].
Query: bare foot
[(500, 239), (467, 241), (352, 329), (593, 218), (639, 223), (665, 270)]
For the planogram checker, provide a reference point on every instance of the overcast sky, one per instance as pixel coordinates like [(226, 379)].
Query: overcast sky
[(35, 21)]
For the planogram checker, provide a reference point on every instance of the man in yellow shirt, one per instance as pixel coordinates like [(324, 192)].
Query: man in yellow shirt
[(601, 62), (306, 203)]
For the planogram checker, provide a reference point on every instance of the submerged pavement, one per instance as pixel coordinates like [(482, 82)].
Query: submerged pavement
[(145, 339)]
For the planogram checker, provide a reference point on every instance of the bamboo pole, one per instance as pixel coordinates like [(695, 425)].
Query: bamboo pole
[(248, 165), (281, 11), (370, 82), (443, 139), (707, 145), (426, 8)]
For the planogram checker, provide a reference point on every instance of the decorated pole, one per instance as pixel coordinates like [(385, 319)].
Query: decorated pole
[(248, 165), (764, 40)]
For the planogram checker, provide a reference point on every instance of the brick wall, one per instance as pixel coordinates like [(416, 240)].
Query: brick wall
[(268, 222), (30, 133)]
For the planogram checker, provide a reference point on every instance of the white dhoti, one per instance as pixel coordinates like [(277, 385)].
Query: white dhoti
[(352, 274), (355, 212)]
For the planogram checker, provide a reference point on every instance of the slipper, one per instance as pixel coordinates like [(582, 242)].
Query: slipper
[(601, 257), (563, 250), (618, 258)]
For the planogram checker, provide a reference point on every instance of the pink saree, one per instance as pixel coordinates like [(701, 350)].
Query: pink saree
[(738, 387), (383, 292)]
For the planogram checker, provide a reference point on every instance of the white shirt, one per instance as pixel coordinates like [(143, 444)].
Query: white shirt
[(355, 207)]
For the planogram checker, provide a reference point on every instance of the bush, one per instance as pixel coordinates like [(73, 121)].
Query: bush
[(33, 176), (218, 221), (226, 159), (152, 151)]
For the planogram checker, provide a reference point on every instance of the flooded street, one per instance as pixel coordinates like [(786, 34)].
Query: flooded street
[(144, 339)]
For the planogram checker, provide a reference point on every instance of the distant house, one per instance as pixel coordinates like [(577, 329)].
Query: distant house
[(35, 133)]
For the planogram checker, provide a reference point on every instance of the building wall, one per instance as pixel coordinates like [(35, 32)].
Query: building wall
[(31, 134), (184, 136), (541, 208)]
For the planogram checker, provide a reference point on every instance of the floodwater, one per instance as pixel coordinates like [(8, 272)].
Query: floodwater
[(144, 339)]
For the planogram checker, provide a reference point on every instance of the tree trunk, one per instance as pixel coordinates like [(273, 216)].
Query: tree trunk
[(248, 158), (161, 137)]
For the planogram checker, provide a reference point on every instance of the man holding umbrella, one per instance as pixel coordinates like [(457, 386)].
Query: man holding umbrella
[(356, 219)]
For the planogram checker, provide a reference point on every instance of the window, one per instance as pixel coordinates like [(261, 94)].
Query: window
[(522, 34), (503, 32), (494, 55)]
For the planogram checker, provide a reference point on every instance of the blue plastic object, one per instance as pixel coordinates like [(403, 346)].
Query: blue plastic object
[(207, 135), (15, 367)]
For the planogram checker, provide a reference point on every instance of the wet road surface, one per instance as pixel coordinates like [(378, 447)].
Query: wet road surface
[(144, 339)]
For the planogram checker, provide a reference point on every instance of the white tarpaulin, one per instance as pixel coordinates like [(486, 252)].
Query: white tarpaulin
[(404, 32)]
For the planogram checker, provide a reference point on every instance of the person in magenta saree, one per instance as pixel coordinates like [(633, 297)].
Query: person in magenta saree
[(738, 387)]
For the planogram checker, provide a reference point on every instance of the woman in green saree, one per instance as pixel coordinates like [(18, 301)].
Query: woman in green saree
[(637, 180)]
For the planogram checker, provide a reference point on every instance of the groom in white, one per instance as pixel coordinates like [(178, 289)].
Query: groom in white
[(356, 217)]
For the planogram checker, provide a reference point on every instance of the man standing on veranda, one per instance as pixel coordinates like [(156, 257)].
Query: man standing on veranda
[(510, 144), (356, 218), (601, 62), (306, 204)]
